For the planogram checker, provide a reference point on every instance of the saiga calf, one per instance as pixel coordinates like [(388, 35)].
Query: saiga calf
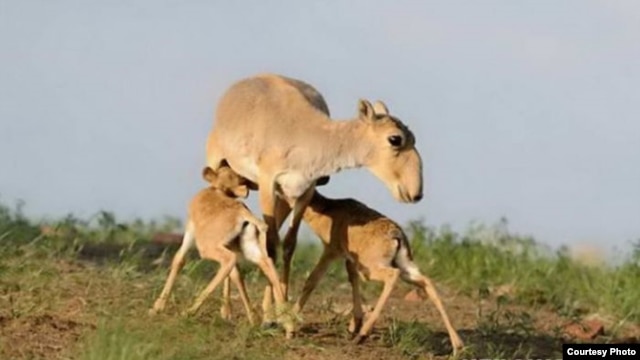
[(224, 229), (375, 247)]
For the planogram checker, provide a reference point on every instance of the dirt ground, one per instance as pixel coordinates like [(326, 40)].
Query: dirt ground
[(49, 320)]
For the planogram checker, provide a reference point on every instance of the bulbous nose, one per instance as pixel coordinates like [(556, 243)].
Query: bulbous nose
[(417, 197)]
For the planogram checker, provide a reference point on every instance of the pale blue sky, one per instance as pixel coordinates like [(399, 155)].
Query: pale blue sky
[(523, 109)]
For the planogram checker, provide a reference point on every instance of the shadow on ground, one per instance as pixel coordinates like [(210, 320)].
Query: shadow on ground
[(147, 256)]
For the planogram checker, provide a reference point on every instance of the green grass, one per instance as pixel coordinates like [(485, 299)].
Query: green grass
[(175, 338), (475, 263), (86, 291)]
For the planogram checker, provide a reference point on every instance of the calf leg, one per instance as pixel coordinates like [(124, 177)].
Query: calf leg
[(178, 262), (225, 308), (389, 276), (254, 250), (236, 277), (227, 260), (357, 314), (312, 281), (413, 276)]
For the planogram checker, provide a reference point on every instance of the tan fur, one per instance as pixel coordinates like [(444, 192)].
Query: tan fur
[(224, 228), (375, 247), (276, 132)]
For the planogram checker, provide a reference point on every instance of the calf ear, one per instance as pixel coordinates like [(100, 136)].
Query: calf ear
[(241, 191), (209, 175), (252, 186)]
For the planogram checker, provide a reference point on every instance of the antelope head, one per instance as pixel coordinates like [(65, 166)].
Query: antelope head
[(227, 181), (392, 156)]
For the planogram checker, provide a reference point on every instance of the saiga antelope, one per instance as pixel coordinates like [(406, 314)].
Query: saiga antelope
[(223, 230), (276, 132), (374, 247)]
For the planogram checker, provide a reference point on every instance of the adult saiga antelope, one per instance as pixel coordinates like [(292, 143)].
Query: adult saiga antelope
[(276, 132)]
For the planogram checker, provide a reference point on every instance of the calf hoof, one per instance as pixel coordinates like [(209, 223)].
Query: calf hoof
[(289, 334), (158, 306), (289, 328), (458, 349), (225, 314), (190, 312), (359, 339)]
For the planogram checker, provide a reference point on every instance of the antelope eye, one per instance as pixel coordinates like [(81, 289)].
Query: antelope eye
[(395, 140)]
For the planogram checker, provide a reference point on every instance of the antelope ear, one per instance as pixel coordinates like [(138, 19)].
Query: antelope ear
[(252, 186), (365, 110), (380, 108), (241, 191), (209, 175)]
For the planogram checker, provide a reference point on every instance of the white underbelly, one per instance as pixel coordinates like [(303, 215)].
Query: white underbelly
[(293, 185)]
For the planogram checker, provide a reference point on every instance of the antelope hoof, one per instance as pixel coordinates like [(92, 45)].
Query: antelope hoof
[(289, 334), (289, 328), (458, 347), (359, 339), (158, 306), (225, 314), (190, 312)]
